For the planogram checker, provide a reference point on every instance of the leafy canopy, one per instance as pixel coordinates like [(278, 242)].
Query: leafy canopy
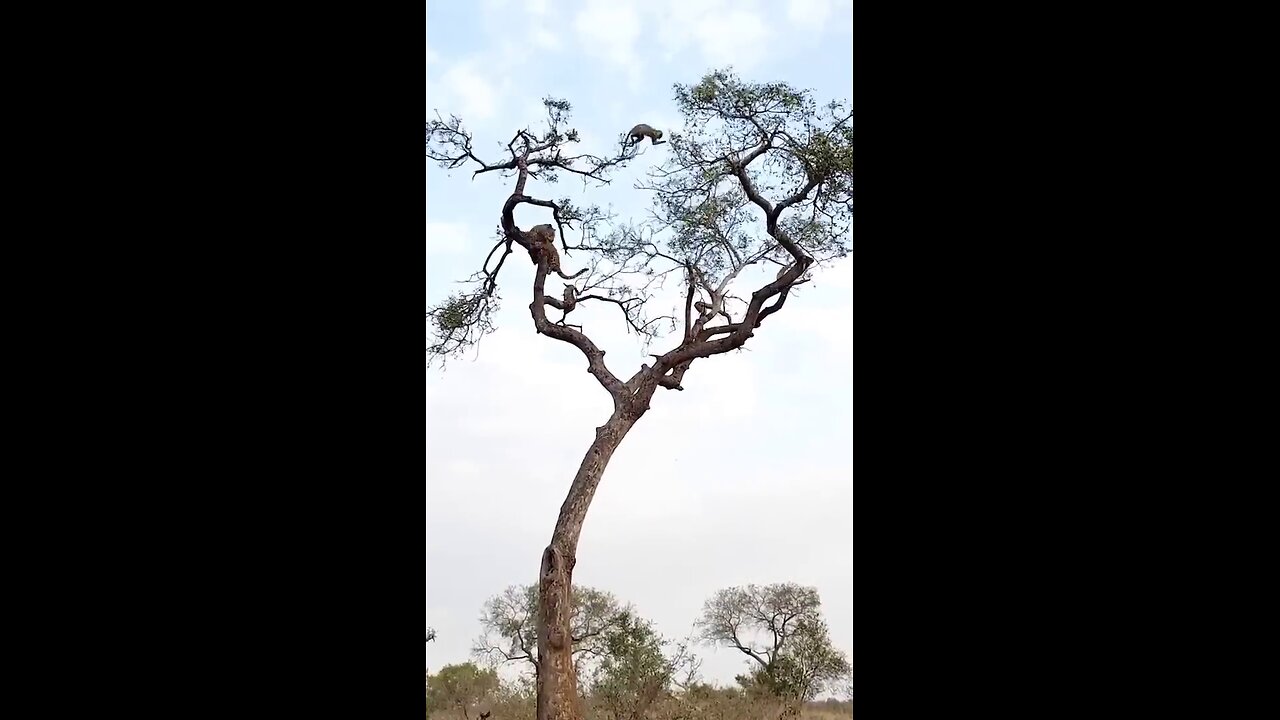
[(759, 175)]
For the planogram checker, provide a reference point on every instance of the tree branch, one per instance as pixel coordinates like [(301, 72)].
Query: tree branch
[(688, 305), (594, 355), (748, 651)]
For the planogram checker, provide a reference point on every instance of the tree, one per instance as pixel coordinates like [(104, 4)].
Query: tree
[(510, 629), (431, 634), (638, 668), (795, 660), (749, 153), (460, 686)]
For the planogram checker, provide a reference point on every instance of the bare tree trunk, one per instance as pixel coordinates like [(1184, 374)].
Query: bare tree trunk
[(557, 680)]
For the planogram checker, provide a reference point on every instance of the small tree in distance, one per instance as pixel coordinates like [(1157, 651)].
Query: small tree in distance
[(795, 659), (761, 175), (460, 686), (509, 625), (638, 668)]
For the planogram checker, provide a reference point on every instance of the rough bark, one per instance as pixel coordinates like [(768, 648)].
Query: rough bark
[(557, 680)]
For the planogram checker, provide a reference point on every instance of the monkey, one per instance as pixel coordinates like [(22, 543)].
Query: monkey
[(542, 239), (642, 131), (570, 301)]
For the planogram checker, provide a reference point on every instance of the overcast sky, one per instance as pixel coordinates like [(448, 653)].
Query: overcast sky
[(745, 477)]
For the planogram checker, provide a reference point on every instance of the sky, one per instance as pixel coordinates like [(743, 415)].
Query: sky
[(745, 477)]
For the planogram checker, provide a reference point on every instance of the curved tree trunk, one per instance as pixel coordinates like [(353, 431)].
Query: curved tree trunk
[(557, 681)]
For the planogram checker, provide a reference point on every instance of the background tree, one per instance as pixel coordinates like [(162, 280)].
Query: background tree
[(637, 669), (509, 626), (514, 699), (761, 175), (431, 634), (461, 687), (846, 687), (781, 629)]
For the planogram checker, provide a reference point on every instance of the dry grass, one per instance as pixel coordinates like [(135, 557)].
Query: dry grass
[(827, 714), (719, 709)]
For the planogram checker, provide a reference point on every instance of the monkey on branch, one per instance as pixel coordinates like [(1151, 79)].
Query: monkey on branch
[(642, 131)]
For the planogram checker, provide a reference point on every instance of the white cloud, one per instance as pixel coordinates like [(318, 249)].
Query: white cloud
[(809, 14), (734, 38), (495, 8), (720, 32), (544, 38), (589, 144), (465, 87), (608, 29), (528, 18), (448, 238), (462, 468), (831, 325), (839, 275), (431, 59)]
